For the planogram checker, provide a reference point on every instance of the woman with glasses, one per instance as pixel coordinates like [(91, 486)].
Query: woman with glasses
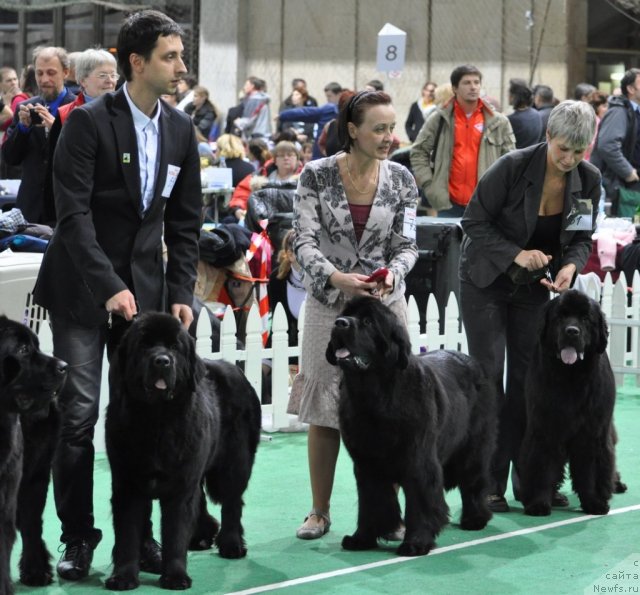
[(96, 72)]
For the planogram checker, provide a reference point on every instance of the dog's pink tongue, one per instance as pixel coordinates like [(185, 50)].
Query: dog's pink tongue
[(161, 384), (342, 353), (569, 355)]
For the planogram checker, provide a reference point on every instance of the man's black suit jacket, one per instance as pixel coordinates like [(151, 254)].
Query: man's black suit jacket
[(31, 151), (103, 243)]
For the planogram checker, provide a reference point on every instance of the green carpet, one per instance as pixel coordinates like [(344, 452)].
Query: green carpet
[(590, 556)]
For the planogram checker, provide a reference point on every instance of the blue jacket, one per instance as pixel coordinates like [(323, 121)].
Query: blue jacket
[(320, 115)]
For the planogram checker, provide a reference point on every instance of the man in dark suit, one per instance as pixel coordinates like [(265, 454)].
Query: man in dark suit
[(126, 171), (26, 141)]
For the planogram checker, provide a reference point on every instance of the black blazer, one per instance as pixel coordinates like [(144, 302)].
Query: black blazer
[(31, 151), (502, 214), (103, 243)]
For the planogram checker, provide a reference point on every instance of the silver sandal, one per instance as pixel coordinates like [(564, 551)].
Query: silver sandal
[(314, 532)]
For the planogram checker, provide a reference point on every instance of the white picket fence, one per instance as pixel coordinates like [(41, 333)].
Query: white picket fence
[(621, 305), (275, 415), (623, 349)]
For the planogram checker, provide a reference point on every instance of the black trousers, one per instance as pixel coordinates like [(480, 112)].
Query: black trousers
[(500, 320), (79, 402)]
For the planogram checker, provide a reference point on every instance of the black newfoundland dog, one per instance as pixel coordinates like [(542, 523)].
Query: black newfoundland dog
[(426, 423), (570, 394), (173, 422), (29, 382)]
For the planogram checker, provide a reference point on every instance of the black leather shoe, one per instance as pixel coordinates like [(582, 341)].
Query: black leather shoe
[(75, 561), (559, 500), (497, 503), (151, 556)]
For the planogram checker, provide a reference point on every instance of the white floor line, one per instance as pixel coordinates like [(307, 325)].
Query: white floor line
[(443, 550)]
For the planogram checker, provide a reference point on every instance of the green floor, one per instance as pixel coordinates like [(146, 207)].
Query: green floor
[(563, 553)]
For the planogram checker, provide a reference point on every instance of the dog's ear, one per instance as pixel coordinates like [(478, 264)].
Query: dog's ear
[(545, 322), (602, 329), (400, 339), (330, 354), (196, 366), (118, 361)]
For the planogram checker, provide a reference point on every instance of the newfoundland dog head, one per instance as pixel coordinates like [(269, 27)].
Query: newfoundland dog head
[(574, 328), (29, 379), (366, 335), (157, 359)]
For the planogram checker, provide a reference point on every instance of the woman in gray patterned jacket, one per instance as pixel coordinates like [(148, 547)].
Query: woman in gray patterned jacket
[(354, 212)]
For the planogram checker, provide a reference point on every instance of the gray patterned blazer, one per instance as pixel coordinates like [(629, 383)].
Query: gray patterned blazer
[(325, 237)]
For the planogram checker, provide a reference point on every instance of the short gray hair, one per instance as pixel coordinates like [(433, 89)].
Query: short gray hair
[(574, 121), (48, 52), (90, 59)]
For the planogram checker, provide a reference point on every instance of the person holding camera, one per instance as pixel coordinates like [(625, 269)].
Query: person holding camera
[(26, 141)]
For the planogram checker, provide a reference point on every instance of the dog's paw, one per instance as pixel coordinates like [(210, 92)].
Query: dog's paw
[(598, 507), (231, 546), (232, 551), (177, 581), (35, 568), (356, 543), (36, 578), (122, 583), (475, 522), (619, 487), (413, 548), (538, 509)]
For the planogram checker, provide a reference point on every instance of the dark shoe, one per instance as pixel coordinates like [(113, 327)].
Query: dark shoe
[(151, 556), (497, 503), (559, 500), (75, 561)]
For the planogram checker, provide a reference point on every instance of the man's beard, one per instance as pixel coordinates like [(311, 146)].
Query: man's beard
[(49, 94)]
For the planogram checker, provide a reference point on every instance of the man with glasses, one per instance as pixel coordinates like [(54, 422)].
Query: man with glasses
[(26, 143)]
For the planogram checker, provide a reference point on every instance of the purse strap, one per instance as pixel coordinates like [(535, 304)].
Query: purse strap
[(434, 151)]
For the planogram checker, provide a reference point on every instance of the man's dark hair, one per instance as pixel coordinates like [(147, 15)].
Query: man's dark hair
[(461, 71), (335, 88), (376, 84), (258, 83), (545, 92), (520, 93), (191, 80), (297, 81), (139, 34), (629, 78), (583, 90), (354, 112)]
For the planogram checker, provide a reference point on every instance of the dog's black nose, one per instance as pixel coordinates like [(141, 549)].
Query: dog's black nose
[(162, 361), (342, 322), (572, 331), (61, 368)]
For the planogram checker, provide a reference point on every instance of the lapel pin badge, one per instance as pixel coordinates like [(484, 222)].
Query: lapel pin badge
[(126, 158)]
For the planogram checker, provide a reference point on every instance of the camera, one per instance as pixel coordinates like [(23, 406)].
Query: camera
[(36, 118)]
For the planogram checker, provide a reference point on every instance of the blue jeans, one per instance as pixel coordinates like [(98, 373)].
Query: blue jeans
[(79, 401)]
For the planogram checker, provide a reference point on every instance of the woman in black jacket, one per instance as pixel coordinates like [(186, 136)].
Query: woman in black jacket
[(202, 111), (525, 235), (419, 109)]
